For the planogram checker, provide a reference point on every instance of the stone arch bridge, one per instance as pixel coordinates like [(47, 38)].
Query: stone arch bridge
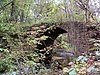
[(80, 34)]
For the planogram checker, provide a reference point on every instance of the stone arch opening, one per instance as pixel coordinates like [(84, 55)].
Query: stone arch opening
[(52, 35)]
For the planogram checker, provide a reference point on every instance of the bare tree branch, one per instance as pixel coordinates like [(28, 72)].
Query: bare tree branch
[(5, 5)]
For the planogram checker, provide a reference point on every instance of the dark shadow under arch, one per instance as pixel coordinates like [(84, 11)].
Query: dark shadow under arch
[(52, 35)]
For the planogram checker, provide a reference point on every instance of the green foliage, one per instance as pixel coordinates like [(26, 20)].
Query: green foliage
[(7, 27), (6, 65), (13, 15), (6, 42), (6, 62), (63, 43), (3, 50)]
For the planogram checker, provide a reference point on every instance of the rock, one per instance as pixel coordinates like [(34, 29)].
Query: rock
[(72, 71), (90, 68), (82, 58), (65, 54)]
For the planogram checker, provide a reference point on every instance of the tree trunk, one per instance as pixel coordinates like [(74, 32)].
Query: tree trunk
[(12, 18)]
